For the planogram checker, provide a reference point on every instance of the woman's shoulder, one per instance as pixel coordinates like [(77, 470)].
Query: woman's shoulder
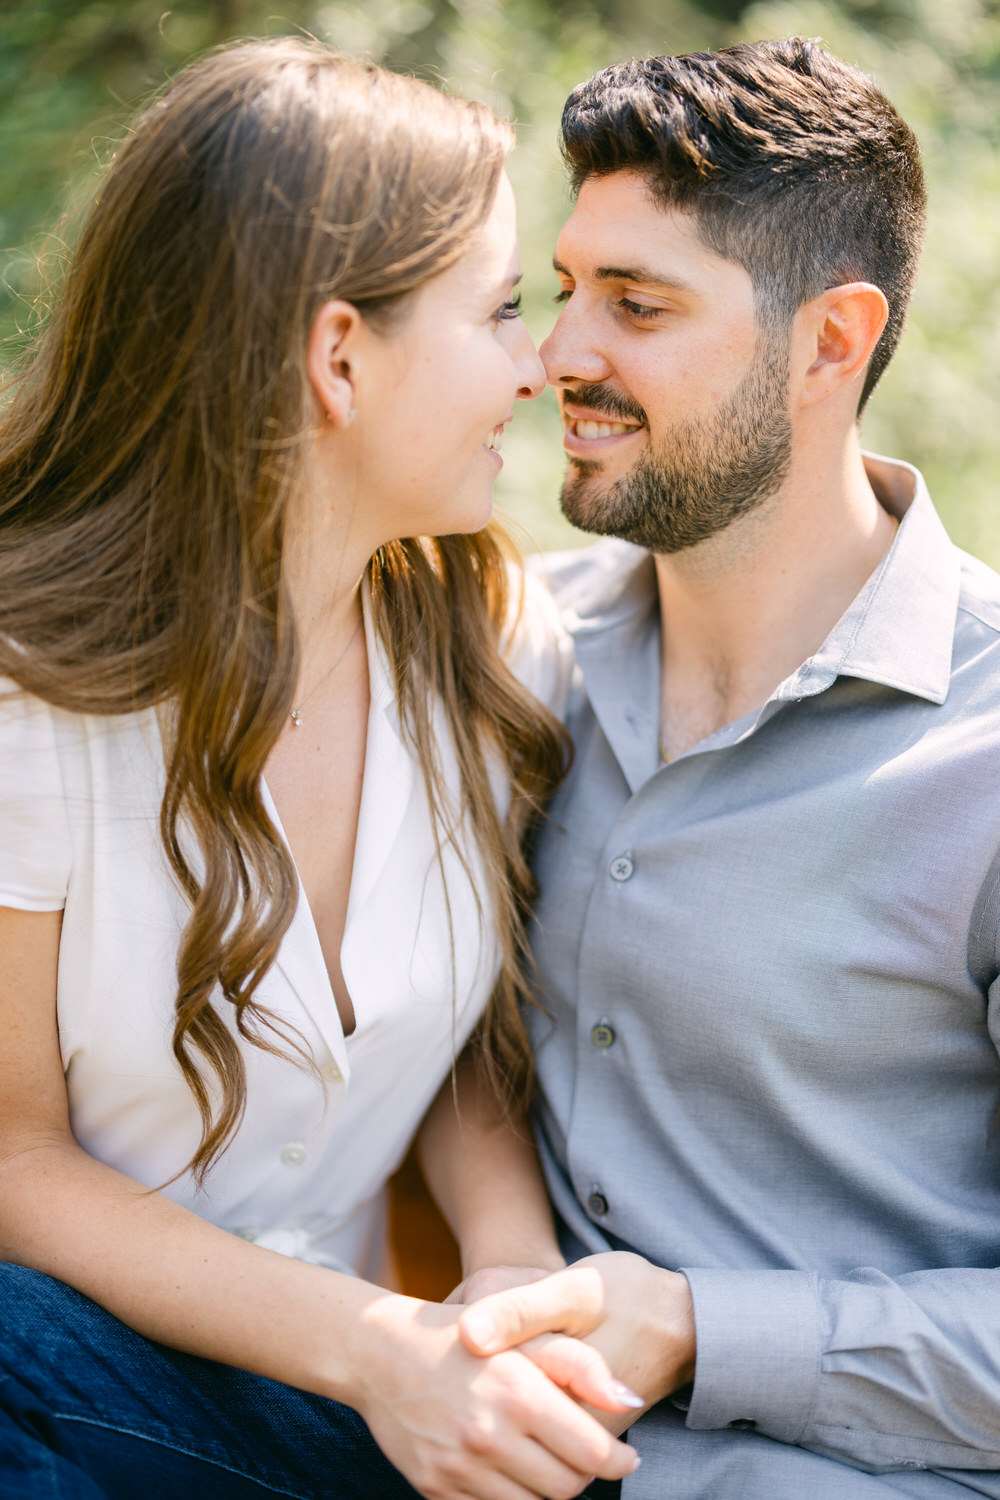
[(57, 769), (537, 647), (34, 831)]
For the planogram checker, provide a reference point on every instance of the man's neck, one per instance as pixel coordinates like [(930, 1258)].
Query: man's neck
[(744, 610)]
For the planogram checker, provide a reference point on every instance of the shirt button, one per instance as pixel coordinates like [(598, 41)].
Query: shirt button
[(598, 1204), (330, 1072), (602, 1035), (622, 867), (294, 1154)]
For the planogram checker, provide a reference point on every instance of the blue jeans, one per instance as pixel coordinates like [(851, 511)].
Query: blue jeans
[(90, 1410)]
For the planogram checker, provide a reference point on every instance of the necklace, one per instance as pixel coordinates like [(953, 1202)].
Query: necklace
[(296, 713)]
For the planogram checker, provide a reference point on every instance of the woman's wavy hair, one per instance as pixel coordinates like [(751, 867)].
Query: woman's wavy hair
[(148, 450)]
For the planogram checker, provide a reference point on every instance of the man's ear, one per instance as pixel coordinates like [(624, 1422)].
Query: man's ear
[(839, 330), (332, 358)]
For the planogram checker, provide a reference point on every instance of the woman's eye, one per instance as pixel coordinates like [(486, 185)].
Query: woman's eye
[(511, 309), (639, 309), (563, 296)]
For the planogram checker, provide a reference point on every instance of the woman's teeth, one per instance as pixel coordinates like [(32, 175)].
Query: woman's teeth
[(601, 429), (496, 441)]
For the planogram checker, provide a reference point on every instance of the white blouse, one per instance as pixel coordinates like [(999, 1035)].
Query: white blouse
[(305, 1174)]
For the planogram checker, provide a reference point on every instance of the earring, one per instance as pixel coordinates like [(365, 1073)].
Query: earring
[(350, 416)]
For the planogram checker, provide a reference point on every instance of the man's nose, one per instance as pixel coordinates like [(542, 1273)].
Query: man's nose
[(571, 354)]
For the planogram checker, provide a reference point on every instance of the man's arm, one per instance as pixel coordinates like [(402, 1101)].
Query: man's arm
[(878, 1372)]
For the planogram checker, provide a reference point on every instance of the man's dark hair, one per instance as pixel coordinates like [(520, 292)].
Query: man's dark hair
[(793, 163)]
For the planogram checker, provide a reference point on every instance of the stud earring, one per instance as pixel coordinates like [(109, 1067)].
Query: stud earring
[(350, 416)]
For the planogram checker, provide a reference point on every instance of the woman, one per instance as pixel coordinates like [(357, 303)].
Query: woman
[(287, 340)]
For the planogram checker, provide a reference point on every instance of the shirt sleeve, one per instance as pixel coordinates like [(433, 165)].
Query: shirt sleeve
[(884, 1373), (35, 844)]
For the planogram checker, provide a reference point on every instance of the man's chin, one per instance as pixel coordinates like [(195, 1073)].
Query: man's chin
[(585, 502)]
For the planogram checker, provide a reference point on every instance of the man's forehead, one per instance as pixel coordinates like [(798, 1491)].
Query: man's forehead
[(617, 231)]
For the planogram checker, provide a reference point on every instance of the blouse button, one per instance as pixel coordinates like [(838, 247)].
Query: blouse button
[(294, 1154), (622, 868), (598, 1205), (602, 1036), (331, 1072)]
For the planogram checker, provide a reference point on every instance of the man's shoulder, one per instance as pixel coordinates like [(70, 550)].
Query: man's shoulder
[(979, 591), (588, 582)]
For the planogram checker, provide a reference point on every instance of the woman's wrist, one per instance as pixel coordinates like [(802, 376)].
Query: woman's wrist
[(536, 1252)]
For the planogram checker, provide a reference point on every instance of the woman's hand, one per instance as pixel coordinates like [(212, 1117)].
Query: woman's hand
[(490, 1279), (495, 1428), (636, 1315)]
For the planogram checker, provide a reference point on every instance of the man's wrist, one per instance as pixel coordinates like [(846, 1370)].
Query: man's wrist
[(671, 1315)]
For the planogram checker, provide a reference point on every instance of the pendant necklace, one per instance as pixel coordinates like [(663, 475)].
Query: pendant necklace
[(296, 713)]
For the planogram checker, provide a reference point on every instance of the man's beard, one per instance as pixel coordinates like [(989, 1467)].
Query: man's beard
[(706, 474)]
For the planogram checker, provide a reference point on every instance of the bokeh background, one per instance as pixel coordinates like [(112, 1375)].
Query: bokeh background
[(71, 71)]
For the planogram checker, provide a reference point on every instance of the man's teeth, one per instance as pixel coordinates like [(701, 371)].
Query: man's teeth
[(601, 429), (496, 441)]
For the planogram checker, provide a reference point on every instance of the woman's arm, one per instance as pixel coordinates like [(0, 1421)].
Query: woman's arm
[(453, 1424), (484, 1174)]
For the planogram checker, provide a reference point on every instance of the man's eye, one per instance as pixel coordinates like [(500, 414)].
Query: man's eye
[(639, 309), (511, 309)]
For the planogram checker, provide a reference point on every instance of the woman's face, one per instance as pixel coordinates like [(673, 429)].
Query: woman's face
[(435, 394)]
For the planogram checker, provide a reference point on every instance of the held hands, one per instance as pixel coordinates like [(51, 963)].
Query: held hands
[(494, 1427), (637, 1316), (490, 1279)]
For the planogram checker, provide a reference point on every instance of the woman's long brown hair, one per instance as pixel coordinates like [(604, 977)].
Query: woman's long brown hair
[(147, 454)]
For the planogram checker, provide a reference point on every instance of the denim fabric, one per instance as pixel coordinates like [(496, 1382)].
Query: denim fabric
[(90, 1410)]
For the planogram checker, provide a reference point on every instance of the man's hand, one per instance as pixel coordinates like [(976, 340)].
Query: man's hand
[(638, 1317)]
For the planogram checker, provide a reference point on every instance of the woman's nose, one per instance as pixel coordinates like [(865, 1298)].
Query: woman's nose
[(530, 367)]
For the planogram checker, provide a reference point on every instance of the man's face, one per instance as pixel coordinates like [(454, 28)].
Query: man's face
[(674, 397)]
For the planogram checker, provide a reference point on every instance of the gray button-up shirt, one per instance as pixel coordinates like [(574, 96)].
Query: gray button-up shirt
[(770, 1054)]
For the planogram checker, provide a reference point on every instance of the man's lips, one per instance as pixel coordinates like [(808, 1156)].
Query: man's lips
[(594, 432)]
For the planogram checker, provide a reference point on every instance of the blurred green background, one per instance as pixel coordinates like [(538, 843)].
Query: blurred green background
[(72, 70)]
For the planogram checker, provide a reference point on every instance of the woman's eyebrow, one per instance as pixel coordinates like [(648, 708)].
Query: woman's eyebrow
[(509, 282)]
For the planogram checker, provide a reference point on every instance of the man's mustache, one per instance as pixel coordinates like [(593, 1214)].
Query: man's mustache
[(606, 401)]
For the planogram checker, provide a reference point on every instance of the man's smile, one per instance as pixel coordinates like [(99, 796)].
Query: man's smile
[(590, 433)]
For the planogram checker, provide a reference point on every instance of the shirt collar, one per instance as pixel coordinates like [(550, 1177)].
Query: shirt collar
[(898, 631)]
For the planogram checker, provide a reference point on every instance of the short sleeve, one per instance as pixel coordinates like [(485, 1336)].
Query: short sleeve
[(538, 649), (35, 844)]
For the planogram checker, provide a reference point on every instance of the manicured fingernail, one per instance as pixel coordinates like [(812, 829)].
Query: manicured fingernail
[(638, 1461), (625, 1395), (481, 1329)]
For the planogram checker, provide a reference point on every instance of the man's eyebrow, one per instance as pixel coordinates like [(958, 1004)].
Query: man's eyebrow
[(645, 275)]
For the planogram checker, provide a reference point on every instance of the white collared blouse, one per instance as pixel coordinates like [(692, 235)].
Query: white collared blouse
[(80, 802)]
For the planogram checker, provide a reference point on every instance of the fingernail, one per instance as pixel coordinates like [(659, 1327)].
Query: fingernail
[(625, 1395), (481, 1329), (638, 1461)]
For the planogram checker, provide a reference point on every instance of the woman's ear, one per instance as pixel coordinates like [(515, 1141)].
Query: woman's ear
[(840, 328), (332, 358)]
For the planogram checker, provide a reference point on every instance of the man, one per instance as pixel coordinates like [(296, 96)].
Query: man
[(770, 890)]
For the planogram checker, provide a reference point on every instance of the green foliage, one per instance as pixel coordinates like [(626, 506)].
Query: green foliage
[(71, 71)]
